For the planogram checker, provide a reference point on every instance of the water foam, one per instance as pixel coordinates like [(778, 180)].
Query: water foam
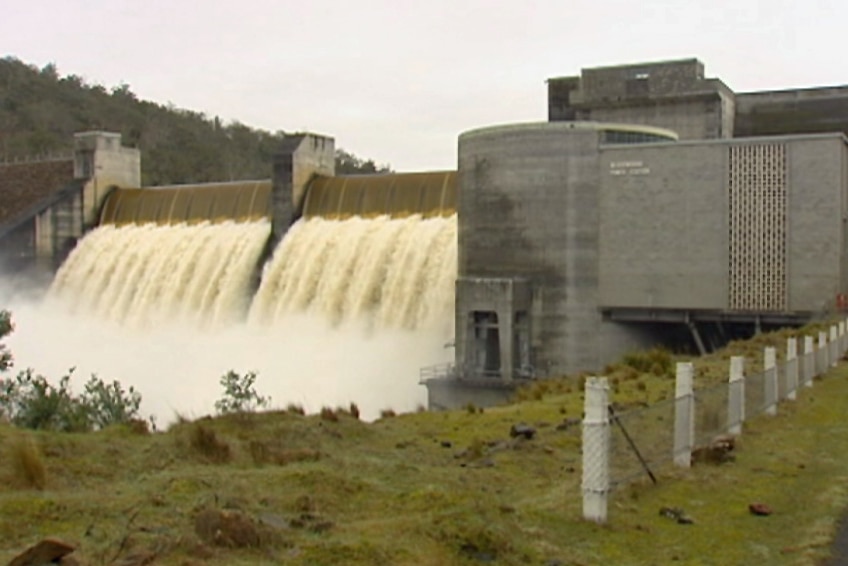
[(347, 311)]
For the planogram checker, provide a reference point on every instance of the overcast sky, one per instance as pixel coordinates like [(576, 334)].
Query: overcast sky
[(397, 81)]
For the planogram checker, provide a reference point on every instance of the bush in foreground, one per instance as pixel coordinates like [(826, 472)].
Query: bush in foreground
[(240, 396), (30, 401)]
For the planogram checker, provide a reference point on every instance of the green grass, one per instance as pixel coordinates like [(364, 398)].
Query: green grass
[(436, 488)]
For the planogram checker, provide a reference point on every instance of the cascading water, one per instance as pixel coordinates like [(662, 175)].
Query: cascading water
[(347, 311), (148, 274), (388, 273)]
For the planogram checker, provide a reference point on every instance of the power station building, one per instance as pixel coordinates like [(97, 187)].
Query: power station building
[(655, 205)]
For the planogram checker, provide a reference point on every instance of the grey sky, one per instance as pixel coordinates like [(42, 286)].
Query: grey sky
[(397, 81)]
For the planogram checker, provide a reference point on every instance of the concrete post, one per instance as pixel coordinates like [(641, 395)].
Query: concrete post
[(736, 395), (596, 448), (299, 158), (684, 415), (833, 345), (809, 361), (770, 380), (821, 355), (791, 372)]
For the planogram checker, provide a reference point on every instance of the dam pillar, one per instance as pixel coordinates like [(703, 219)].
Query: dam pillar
[(100, 163), (301, 157)]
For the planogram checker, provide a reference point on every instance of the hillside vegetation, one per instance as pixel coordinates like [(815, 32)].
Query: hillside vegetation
[(41, 110), (425, 488)]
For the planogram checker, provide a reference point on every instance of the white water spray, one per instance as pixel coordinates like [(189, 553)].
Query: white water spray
[(151, 274), (348, 311)]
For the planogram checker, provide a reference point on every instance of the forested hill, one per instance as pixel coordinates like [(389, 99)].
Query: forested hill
[(40, 111)]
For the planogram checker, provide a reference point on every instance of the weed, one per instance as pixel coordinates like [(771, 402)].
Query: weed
[(294, 409), (205, 442), (354, 410), (476, 449), (387, 414), (27, 463), (328, 414), (657, 361)]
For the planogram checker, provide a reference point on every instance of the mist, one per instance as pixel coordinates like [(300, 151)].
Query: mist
[(347, 311), (176, 368)]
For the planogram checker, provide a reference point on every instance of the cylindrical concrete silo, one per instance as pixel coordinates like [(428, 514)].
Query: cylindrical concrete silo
[(528, 248)]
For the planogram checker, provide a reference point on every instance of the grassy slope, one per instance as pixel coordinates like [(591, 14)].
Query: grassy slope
[(396, 495)]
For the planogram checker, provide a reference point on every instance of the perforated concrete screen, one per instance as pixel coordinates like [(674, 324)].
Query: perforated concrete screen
[(757, 199)]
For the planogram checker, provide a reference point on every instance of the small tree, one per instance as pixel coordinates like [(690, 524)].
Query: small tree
[(6, 328), (106, 404), (30, 401), (239, 394)]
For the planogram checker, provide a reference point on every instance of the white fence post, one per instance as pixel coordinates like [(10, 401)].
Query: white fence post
[(596, 448), (809, 361), (684, 415), (736, 395), (770, 380), (834, 345), (821, 355), (791, 373)]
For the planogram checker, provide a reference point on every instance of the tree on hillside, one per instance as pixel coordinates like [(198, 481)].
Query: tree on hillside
[(349, 164), (41, 110)]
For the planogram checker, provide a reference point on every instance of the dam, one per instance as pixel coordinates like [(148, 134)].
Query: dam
[(655, 206)]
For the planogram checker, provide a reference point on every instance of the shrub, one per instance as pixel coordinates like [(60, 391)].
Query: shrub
[(239, 394), (30, 401), (387, 414), (108, 404)]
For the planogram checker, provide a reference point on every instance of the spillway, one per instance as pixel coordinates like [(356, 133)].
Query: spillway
[(384, 272), (177, 286), (387, 272), (149, 274)]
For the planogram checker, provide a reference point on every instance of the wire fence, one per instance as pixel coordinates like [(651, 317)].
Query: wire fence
[(711, 415), (632, 456), (620, 447)]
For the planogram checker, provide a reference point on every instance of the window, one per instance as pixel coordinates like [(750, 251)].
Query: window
[(487, 348)]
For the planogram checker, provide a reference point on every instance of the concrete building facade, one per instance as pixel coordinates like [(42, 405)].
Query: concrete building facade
[(669, 94), (716, 213)]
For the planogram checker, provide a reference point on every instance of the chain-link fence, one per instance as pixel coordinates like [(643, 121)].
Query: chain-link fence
[(641, 442), (711, 415), (755, 400), (622, 446)]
